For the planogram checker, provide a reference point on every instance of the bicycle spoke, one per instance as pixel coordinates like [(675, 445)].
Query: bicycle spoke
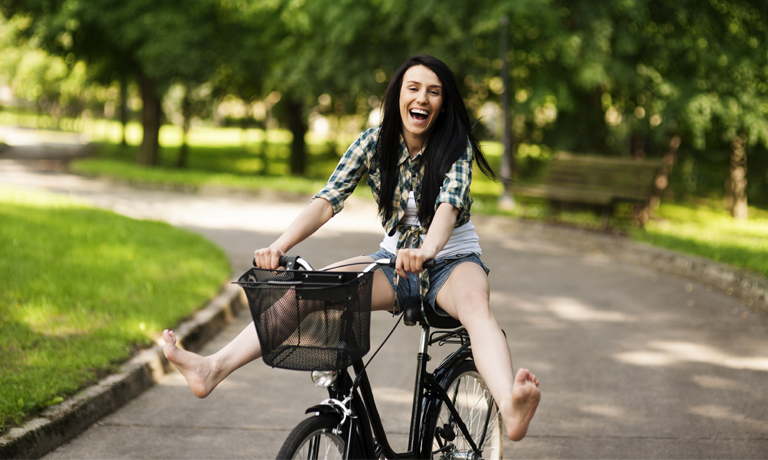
[(473, 403)]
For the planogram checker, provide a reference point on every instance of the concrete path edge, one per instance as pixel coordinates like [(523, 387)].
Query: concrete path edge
[(62, 422)]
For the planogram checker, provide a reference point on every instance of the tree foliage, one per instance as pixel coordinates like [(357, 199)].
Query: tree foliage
[(614, 78)]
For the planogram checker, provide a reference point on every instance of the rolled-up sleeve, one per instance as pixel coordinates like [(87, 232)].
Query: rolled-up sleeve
[(351, 168), (455, 189)]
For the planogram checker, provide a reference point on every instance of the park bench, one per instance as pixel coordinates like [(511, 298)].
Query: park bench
[(598, 182)]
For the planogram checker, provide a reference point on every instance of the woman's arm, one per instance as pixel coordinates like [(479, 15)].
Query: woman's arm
[(308, 222), (410, 260)]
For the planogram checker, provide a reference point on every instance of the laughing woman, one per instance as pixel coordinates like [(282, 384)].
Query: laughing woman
[(419, 167)]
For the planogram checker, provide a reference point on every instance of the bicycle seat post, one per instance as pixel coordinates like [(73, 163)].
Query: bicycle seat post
[(421, 367)]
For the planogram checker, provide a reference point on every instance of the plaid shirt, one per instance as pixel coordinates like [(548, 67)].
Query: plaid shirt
[(360, 159)]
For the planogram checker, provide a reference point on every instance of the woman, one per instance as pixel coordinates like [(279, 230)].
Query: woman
[(419, 165)]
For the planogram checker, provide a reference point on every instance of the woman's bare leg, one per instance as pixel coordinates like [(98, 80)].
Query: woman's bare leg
[(204, 373), (465, 296)]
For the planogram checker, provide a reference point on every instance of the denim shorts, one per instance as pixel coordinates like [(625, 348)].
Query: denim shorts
[(408, 288)]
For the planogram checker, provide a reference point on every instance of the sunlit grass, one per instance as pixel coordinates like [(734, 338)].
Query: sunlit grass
[(711, 232), (84, 287)]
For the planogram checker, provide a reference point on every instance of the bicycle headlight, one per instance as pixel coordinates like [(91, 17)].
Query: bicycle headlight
[(324, 379)]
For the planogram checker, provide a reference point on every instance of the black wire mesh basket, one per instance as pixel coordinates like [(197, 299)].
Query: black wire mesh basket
[(310, 320)]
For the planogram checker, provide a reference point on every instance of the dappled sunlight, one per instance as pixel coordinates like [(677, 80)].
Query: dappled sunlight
[(536, 317), (669, 353), (556, 312), (537, 246), (715, 382), (43, 318), (569, 309), (610, 411), (645, 358), (727, 414), (503, 299)]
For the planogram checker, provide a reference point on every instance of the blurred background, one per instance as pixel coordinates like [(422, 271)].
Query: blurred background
[(280, 87)]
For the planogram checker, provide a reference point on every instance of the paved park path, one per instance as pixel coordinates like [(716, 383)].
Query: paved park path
[(633, 363)]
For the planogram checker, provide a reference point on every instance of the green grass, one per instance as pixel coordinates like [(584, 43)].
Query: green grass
[(82, 289), (709, 231)]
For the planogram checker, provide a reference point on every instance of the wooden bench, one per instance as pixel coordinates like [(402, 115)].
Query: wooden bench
[(600, 182)]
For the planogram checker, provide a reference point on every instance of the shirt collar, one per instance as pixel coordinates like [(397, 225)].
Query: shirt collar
[(404, 154)]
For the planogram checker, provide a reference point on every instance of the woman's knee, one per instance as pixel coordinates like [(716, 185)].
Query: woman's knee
[(473, 306)]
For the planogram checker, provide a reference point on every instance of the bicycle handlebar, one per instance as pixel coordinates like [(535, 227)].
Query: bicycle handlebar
[(428, 264), (390, 262)]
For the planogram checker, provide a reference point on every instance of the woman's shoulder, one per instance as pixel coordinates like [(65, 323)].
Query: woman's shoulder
[(367, 140), (370, 134)]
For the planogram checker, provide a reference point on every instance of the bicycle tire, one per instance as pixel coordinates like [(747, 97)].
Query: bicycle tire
[(469, 394), (314, 438)]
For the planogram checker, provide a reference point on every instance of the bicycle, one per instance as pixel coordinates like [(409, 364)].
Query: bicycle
[(453, 415)]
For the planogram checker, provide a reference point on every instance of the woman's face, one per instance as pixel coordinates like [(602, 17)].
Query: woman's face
[(421, 99)]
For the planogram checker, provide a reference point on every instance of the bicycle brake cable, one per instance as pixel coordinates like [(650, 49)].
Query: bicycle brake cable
[(357, 379)]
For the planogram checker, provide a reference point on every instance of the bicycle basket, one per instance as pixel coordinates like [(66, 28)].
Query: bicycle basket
[(310, 320)]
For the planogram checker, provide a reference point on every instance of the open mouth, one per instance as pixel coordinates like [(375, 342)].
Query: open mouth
[(419, 114)]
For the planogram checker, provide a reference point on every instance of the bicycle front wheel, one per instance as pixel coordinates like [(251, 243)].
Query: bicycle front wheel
[(314, 438), (473, 402)]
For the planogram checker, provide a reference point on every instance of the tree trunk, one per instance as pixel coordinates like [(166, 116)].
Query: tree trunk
[(662, 178), (186, 112), (638, 146), (244, 122), (264, 153), (298, 127), (508, 167), (738, 177), (150, 120), (123, 108)]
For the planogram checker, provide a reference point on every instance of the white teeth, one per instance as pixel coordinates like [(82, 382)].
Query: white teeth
[(423, 112)]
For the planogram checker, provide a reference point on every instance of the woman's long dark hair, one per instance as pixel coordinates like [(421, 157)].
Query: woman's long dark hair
[(446, 142)]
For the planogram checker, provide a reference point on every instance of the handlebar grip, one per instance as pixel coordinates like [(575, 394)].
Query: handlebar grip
[(282, 262), (429, 264)]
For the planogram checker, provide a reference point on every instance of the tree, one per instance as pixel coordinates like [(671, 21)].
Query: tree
[(722, 73), (153, 41)]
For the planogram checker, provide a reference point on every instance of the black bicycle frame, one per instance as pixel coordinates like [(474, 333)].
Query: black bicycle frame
[(366, 421)]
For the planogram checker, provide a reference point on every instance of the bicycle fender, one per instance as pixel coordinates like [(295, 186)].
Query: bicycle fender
[(452, 361), (325, 409)]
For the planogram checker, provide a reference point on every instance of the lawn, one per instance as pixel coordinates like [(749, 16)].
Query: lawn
[(709, 231), (83, 289)]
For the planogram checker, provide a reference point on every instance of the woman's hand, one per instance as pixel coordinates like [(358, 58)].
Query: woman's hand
[(411, 260), (268, 258)]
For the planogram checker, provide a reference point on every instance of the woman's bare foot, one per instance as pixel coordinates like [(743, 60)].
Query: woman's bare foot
[(525, 400), (199, 371)]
